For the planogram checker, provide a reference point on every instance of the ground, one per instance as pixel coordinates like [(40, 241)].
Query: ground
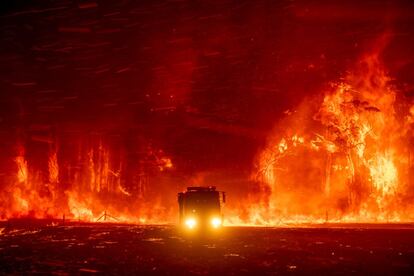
[(134, 249)]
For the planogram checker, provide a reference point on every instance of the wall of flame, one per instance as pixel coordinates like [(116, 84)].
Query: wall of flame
[(346, 156)]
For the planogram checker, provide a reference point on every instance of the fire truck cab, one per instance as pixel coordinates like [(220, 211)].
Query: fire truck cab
[(201, 208)]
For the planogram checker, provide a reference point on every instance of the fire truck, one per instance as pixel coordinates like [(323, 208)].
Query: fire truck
[(201, 208)]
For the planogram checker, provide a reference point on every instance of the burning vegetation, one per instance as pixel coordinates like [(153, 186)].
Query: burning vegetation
[(91, 187), (109, 109), (346, 156)]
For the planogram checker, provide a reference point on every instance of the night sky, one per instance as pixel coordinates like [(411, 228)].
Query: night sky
[(203, 82)]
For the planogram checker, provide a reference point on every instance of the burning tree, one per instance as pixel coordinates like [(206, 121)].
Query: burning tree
[(344, 156), (82, 178)]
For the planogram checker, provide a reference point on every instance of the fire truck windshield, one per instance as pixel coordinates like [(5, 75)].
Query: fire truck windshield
[(202, 201)]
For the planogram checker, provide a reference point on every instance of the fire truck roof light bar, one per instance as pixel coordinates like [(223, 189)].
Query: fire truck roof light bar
[(201, 189)]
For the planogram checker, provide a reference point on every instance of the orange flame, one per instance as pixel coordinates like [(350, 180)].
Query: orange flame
[(348, 163), (95, 195)]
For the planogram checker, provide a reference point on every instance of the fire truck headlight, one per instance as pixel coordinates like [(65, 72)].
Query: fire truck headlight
[(216, 222), (190, 223)]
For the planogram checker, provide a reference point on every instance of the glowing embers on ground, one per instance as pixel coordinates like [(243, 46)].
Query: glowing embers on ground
[(344, 157)]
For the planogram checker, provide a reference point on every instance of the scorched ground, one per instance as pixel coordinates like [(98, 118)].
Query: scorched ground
[(129, 249)]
